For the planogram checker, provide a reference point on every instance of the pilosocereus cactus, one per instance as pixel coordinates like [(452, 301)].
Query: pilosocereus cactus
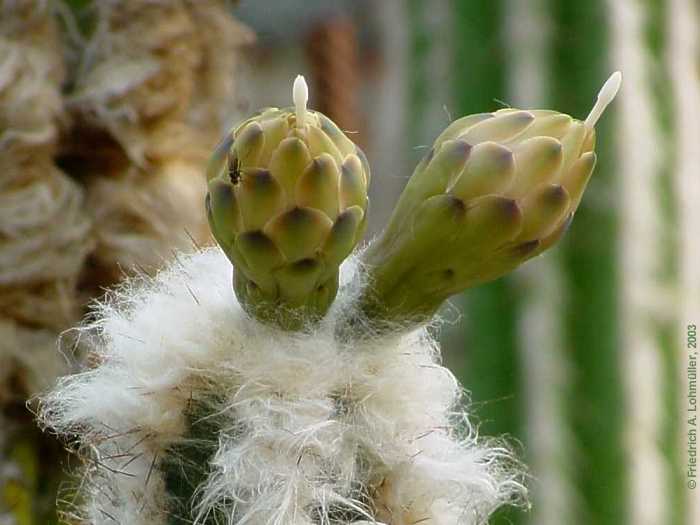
[(312, 393)]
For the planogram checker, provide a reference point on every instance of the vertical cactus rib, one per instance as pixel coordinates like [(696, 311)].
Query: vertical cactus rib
[(589, 264), (682, 54), (641, 256)]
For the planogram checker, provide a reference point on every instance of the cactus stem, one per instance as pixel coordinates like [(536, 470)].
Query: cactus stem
[(605, 96), (300, 96)]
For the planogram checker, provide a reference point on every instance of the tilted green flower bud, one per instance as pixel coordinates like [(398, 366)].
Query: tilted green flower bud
[(495, 190), (287, 203)]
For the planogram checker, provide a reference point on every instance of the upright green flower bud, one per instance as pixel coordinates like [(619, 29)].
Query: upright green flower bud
[(495, 190), (287, 203)]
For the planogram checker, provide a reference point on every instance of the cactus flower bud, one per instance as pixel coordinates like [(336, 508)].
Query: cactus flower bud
[(495, 190), (287, 203)]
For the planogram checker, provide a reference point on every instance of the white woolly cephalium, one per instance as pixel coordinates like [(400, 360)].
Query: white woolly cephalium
[(289, 428)]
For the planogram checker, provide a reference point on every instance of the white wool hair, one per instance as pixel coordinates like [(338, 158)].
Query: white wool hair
[(304, 428)]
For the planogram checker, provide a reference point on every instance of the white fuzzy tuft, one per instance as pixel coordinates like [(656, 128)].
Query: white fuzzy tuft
[(300, 429)]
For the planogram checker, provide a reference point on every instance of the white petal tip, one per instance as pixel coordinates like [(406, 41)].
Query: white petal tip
[(613, 83), (606, 95), (300, 96)]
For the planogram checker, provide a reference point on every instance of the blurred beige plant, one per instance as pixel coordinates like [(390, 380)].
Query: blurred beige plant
[(107, 114), (150, 90), (44, 239)]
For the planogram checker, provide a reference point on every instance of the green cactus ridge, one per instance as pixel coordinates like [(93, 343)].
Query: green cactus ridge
[(287, 202), (495, 190)]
